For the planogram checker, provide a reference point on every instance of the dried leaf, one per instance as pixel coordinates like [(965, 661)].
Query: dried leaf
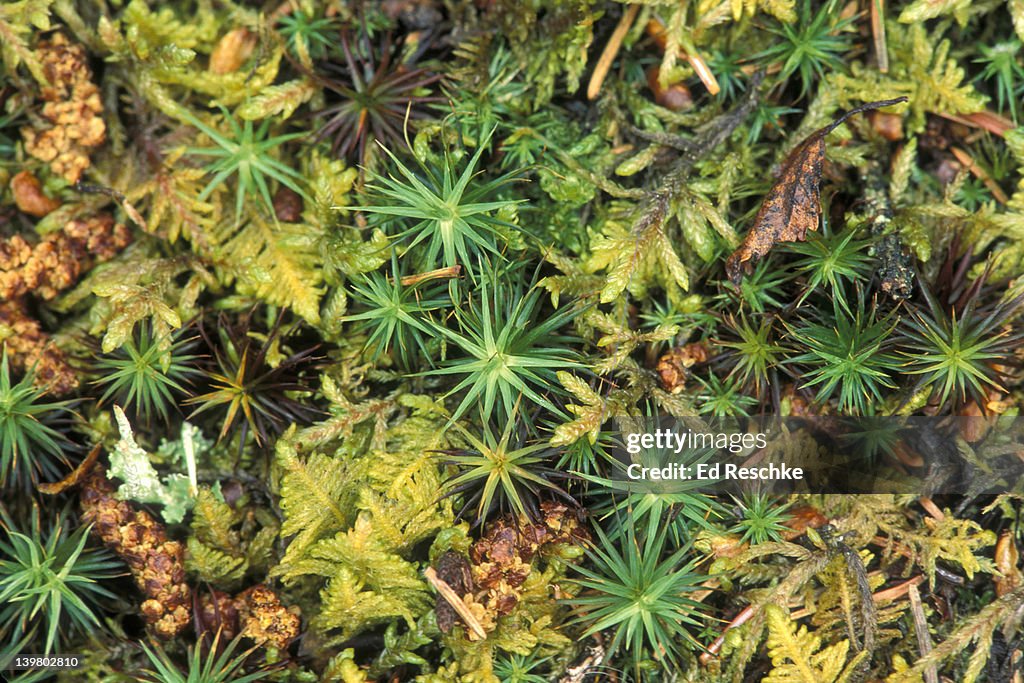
[(1007, 563), (792, 206), (75, 477)]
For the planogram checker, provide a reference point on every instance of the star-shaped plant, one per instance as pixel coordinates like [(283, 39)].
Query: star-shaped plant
[(637, 590), (848, 354), (147, 373), (815, 43), (501, 472), (374, 98), (246, 155), (509, 350), (246, 389), (50, 582), (30, 445), (454, 216)]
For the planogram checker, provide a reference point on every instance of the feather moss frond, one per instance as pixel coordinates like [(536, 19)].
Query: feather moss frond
[(278, 262), (798, 656)]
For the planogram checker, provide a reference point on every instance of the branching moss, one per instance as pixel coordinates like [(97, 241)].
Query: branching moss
[(475, 319)]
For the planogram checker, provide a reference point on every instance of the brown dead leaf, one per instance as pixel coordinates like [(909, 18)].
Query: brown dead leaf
[(75, 477), (1008, 564), (792, 206)]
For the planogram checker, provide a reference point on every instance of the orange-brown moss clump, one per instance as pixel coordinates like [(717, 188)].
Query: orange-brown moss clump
[(674, 366), (156, 563), (28, 346), (503, 558), (264, 619), (56, 262), (44, 270), (256, 613), (72, 109), (500, 562)]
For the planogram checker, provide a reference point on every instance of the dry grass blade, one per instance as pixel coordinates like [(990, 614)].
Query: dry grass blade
[(455, 601), (611, 50)]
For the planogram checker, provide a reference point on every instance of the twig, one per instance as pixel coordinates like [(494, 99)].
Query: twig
[(897, 591), (656, 30), (75, 476), (924, 639), (704, 73), (986, 120), (446, 592), (932, 509), (448, 273), (190, 458), (611, 50), (968, 161), (743, 617)]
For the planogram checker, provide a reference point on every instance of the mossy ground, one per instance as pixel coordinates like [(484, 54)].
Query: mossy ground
[(351, 301)]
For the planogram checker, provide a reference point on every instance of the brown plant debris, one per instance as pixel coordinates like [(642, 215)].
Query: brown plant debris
[(72, 110), (455, 571), (674, 366), (28, 346), (263, 618), (157, 563), (29, 197), (503, 558), (56, 261), (489, 585), (76, 477), (792, 206), (217, 612), (1007, 560), (611, 50)]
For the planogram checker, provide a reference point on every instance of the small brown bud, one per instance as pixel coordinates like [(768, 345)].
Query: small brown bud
[(889, 126), (29, 196), (232, 51), (802, 518), (676, 97), (288, 205)]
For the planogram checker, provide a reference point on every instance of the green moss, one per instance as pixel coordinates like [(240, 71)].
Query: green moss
[(532, 262)]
